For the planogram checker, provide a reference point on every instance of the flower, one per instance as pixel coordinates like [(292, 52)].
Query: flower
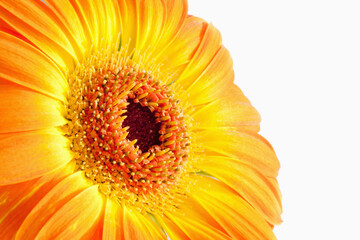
[(120, 120)]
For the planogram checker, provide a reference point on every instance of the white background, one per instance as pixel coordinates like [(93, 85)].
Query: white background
[(299, 64)]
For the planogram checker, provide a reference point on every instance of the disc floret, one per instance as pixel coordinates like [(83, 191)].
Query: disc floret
[(102, 93)]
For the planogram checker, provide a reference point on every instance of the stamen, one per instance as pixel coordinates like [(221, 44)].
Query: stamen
[(127, 131)]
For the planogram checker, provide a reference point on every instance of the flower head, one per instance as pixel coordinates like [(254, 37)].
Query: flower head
[(120, 120)]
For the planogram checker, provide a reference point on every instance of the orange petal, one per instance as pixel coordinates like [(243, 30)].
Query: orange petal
[(6, 28), (246, 147), (96, 230), (128, 16), (28, 155), (251, 185), (184, 46), (176, 12), (22, 109), (146, 19), (208, 48), (154, 24), (195, 229), (52, 201), (4, 25), (86, 13), (100, 18), (171, 229), (35, 21), (191, 209), (232, 109), (235, 215), (159, 22), (113, 221), (110, 22), (72, 22), (151, 17), (23, 64), (17, 200), (76, 217), (139, 226), (214, 81)]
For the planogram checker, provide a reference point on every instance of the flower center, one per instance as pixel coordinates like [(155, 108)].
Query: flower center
[(128, 133), (142, 126)]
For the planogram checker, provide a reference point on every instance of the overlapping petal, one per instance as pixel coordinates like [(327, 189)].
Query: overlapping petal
[(154, 24), (171, 229), (258, 190), (195, 229), (191, 221), (121, 222), (231, 110), (239, 219), (28, 155), (73, 220), (27, 110), (100, 19), (209, 46), (56, 198), (139, 226), (113, 221), (25, 65), (249, 148), (183, 47), (35, 21), (18, 200), (67, 16)]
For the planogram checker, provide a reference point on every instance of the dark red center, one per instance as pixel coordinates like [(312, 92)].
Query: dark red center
[(143, 126)]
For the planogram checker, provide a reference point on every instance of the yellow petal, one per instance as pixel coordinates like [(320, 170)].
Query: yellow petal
[(28, 155), (75, 218), (191, 210), (36, 22), (213, 81), (86, 12), (138, 226), (235, 215), (159, 22), (72, 22), (232, 109), (110, 21), (151, 17), (184, 46), (249, 148), (22, 109), (17, 200), (50, 203), (128, 16), (171, 229), (101, 19), (251, 185), (23, 64), (195, 229), (176, 12), (113, 221), (154, 25), (209, 46)]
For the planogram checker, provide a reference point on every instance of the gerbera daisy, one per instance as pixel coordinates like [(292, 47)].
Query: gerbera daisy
[(120, 120)]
